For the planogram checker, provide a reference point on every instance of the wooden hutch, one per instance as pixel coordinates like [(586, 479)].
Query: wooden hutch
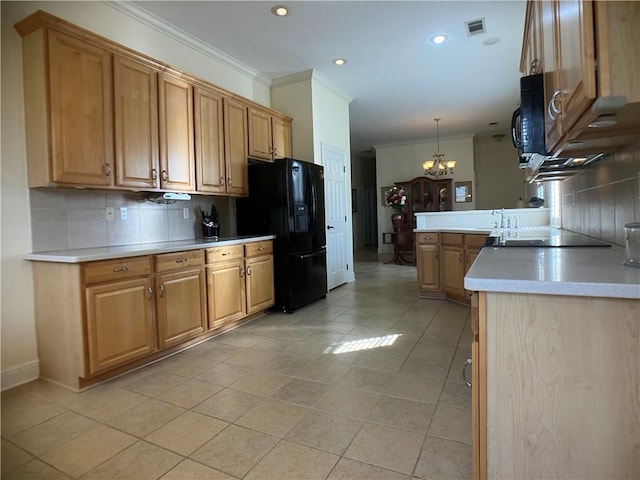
[(425, 195)]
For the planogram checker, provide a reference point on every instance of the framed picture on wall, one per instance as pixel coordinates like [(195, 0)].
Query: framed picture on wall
[(463, 192), (383, 195)]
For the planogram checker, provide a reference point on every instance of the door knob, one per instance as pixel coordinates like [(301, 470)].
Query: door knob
[(329, 227)]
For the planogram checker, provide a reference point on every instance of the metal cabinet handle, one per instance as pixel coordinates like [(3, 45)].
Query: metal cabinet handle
[(165, 175), (107, 169), (535, 65), (161, 290), (181, 260), (436, 254), (121, 269), (260, 249), (241, 272), (329, 227), (552, 109), (464, 372), (224, 254), (154, 174), (229, 181), (222, 181), (149, 293), (249, 270)]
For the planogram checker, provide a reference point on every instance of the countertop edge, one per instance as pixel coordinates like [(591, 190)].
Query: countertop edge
[(126, 251)]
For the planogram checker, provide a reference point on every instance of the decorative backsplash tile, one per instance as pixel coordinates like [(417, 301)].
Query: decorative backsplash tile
[(602, 199), (62, 219)]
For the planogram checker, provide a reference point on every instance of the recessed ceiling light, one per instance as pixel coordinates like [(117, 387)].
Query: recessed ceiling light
[(490, 41), (438, 39), (280, 11), (339, 61)]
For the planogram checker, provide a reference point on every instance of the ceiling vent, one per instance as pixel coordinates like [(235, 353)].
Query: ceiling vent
[(475, 27)]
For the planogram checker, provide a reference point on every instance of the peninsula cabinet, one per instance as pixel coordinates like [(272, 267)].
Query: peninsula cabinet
[(555, 386), (269, 135), (452, 265), (180, 296), (428, 265)]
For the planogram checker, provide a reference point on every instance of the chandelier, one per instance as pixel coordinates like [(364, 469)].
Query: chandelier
[(438, 168)]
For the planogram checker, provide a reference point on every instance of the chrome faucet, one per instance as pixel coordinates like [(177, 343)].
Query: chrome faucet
[(501, 213)]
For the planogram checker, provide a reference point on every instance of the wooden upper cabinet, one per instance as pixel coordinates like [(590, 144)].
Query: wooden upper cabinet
[(269, 135), (575, 51), (260, 136), (177, 166), (531, 57), (552, 126), (209, 131), (136, 123), (281, 131), (235, 147), (81, 115)]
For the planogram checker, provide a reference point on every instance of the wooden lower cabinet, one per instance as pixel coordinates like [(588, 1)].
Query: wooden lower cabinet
[(226, 292), (555, 390), (120, 325), (239, 281), (260, 288), (428, 265), (98, 319), (180, 302)]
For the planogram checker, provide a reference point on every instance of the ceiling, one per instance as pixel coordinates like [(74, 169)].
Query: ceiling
[(398, 79)]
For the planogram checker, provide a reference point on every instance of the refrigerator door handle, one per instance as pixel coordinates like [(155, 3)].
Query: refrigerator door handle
[(309, 255), (314, 199)]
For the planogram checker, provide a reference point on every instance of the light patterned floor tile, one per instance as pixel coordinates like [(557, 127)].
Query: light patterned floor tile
[(146, 418), (260, 383), (235, 451), (224, 374), (403, 414), (451, 423), (348, 469), (187, 433), (190, 470), (444, 459), (273, 418), (326, 431), (229, 404), (348, 402), (293, 461), (89, 450), (386, 447), (301, 392), (141, 461), (155, 384), (34, 470), (190, 393), (13, 457)]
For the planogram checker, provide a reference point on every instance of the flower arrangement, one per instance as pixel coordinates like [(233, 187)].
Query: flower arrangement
[(396, 198)]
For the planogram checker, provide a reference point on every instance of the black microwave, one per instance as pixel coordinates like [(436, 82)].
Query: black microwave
[(527, 122)]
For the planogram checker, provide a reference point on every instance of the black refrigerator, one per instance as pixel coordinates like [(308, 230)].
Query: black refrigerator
[(286, 199)]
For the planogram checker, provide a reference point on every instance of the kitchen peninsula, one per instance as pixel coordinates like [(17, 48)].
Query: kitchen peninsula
[(556, 351)]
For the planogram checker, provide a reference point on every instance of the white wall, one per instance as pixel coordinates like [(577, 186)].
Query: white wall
[(499, 181), (19, 355), (397, 163)]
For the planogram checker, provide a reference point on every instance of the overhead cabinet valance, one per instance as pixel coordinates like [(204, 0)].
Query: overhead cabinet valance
[(100, 115)]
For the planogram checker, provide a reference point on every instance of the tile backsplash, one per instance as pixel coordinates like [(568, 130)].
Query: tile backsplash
[(601, 200), (63, 219)]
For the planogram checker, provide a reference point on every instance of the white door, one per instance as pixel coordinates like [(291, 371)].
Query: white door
[(334, 164)]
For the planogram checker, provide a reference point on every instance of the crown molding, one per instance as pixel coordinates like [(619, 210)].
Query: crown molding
[(187, 39), (466, 136), (313, 75)]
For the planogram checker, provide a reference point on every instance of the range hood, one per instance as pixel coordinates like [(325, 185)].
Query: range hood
[(540, 168)]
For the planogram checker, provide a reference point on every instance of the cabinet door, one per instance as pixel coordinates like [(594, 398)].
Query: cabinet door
[(226, 293), (136, 123), (478, 386), (210, 164), (531, 58), (81, 121), (428, 267), (576, 53), (120, 324), (552, 91), (260, 288), (452, 270), (281, 137), (176, 134), (235, 147), (260, 134), (181, 306)]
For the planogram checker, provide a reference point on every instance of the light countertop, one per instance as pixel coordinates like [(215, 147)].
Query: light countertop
[(80, 255), (582, 271)]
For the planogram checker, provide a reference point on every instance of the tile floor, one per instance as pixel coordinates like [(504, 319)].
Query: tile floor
[(271, 400)]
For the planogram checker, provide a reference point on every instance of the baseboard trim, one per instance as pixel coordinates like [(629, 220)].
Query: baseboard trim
[(20, 374)]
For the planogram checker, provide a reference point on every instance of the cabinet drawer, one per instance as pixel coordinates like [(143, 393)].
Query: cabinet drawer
[(475, 240), (230, 252), (451, 239), (177, 261), (255, 249), (108, 270), (427, 239)]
